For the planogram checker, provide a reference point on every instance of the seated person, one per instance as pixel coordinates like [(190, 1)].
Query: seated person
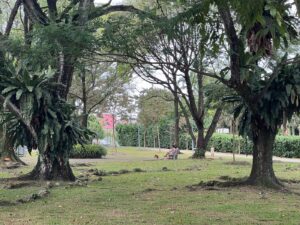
[(173, 152)]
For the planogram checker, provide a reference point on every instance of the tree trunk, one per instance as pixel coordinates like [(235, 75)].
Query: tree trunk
[(85, 115), (262, 172), (52, 167), (213, 125), (176, 115), (284, 125), (158, 138), (114, 134), (200, 144), (145, 138), (55, 165), (188, 123)]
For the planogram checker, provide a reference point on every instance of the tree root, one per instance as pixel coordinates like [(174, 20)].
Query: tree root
[(17, 185), (30, 198), (228, 182), (290, 181)]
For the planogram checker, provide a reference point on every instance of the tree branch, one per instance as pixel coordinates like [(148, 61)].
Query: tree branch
[(68, 8), (100, 11), (35, 12), (213, 124), (233, 40), (52, 9), (187, 120), (12, 17), (14, 110)]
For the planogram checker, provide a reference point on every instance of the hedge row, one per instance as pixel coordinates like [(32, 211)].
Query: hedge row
[(285, 146), (228, 143), (128, 135), (88, 151)]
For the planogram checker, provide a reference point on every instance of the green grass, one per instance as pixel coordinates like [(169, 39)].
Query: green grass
[(157, 196)]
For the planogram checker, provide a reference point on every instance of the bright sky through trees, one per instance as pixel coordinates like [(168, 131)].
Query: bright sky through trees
[(105, 1)]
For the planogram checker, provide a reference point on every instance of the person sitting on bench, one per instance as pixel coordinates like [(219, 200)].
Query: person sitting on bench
[(173, 153)]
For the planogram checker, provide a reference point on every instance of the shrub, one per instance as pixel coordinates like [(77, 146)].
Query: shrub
[(226, 143), (127, 135), (287, 146), (88, 151), (284, 146)]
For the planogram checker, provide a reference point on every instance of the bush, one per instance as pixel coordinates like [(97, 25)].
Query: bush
[(88, 151), (226, 143), (285, 146), (127, 135)]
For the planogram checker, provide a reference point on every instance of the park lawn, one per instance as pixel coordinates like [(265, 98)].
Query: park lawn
[(158, 196)]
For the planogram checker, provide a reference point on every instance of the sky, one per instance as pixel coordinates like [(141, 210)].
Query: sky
[(114, 2), (139, 83)]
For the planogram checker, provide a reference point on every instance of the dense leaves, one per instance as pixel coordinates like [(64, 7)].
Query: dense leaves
[(88, 151), (35, 96), (284, 146), (135, 135)]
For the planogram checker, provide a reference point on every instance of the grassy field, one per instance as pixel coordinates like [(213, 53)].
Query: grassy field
[(156, 196)]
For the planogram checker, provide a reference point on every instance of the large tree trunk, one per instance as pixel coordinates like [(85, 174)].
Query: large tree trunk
[(52, 167), (200, 144), (55, 165), (262, 172)]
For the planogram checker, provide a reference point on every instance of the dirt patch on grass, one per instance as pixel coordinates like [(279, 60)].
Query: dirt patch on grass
[(238, 163), (15, 185), (7, 203), (115, 213), (192, 168), (290, 181), (149, 190), (224, 182), (81, 165)]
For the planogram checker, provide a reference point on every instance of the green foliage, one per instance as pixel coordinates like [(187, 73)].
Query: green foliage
[(127, 135), (284, 146), (35, 95), (228, 143), (287, 146), (88, 151), (94, 125), (154, 106)]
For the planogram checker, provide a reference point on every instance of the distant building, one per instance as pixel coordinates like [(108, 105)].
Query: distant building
[(108, 121)]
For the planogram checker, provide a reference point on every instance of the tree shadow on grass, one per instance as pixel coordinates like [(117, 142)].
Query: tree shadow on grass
[(7, 203)]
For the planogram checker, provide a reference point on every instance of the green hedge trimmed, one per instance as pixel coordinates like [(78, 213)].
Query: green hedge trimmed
[(127, 135), (285, 146), (226, 143), (88, 151)]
